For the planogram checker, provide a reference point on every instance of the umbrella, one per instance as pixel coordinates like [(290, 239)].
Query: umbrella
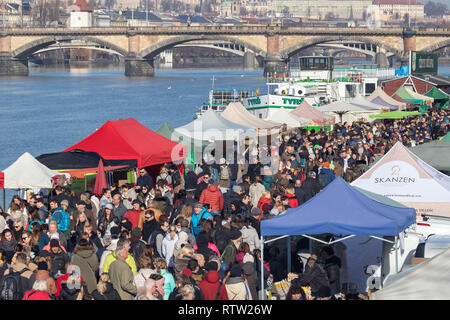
[(100, 180)]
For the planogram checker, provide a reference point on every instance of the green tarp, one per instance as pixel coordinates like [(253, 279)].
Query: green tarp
[(436, 153), (403, 93), (437, 94), (395, 115)]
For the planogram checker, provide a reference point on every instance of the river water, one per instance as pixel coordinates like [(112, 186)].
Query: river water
[(52, 109)]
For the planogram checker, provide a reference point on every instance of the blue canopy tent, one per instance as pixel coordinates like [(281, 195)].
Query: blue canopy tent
[(344, 210)]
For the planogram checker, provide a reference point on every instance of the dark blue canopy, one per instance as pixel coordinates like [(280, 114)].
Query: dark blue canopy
[(342, 210)]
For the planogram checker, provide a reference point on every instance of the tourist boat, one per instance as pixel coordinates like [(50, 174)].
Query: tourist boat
[(220, 99), (317, 82)]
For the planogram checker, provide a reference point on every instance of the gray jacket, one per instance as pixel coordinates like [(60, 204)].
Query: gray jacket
[(250, 236)]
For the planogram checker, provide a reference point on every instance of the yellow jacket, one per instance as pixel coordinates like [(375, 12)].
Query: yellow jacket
[(110, 258)]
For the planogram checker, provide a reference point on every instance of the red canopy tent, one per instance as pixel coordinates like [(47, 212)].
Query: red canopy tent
[(129, 139)]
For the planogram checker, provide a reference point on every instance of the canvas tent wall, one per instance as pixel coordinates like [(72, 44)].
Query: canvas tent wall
[(314, 116), (429, 280), (436, 153), (237, 113), (343, 210), (404, 177), (28, 173), (380, 97), (349, 112), (283, 116), (132, 140)]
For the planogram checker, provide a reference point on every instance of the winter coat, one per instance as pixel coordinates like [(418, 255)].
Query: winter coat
[(230, 198), (141, 276), (249, 271), (229, 253), (191, 181), (109, 294), (267, 181), (58, 261), (293, 202), (51, 284), (332, 266), (195, 220), (210, 286), (86, 259), (236, 289), (110, 258), (133, 217), (180, 263), (169, 283), (263, 201), (250, 236), (168, 245), (200, 187), (311, 188), (316, 277), (213, 196), (224, 183), (122, 279), (26, 276), (36, 295), (256, 192)]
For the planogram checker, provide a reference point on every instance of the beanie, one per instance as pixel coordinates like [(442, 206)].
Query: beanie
[(54, 243)]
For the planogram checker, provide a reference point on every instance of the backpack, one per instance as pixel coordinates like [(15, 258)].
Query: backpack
[(196, 230), (11, 287), (224, 173), (323, 179)]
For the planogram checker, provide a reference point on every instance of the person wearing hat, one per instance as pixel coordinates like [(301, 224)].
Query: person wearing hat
[(190, 178), (237, 288), (58, 258), (84, 257), (326, 175), (134, 214), (231, 197), (197, 216), (42, 273), (229, 253), (211, 286)]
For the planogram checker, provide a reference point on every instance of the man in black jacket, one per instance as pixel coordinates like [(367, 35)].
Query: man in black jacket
[(299, 192), (191, 179), (144, 180), (311, 186), (202, 185), (150, 224)]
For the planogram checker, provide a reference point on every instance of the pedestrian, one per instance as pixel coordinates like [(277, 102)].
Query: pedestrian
[(85, 258), (120, 272)]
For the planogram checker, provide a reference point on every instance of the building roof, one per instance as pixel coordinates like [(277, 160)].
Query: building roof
[(397, 2), (420, 85), (140, 15), (437, 79)]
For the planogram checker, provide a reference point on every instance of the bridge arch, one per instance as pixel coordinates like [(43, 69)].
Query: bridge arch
[(153, 50), (30, 48), (291, 51), (437, 46)]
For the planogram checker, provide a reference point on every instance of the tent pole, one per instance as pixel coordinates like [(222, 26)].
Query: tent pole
[(396, 255), (289, 254), (262, 268), (4, 199)]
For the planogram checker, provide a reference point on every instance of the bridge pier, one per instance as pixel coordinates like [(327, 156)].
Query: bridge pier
[(250, 60), (10, 66), (139, 67), (274, 63)]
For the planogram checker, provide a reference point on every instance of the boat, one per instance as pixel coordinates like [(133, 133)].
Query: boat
[(316, 81)]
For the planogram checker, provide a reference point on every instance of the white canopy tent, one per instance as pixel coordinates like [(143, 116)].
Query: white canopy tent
[(359, 100), (286, 117), (211, 126), (429, 280), (349, 112), (404, 177), (28, 173)]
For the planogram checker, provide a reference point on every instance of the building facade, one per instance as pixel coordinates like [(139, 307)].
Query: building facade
[(395, 10)]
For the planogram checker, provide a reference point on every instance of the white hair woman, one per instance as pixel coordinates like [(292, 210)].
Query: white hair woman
[(38, 292)]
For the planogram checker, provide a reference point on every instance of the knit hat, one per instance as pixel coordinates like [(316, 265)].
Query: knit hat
[(235, 234), (187, 272), (326, 164), (237, 188), (235, 271), (80, 203), (114, 231), (54, 243), (136, 232), (255, 211), (83, 242), (135, 201), (109, 206), (198, 205)]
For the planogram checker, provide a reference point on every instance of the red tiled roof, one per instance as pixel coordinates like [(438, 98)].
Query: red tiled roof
[(394, 2), (82, 5), (421, 85)]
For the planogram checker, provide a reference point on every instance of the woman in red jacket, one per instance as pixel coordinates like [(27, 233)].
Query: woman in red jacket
[(39, 291), (265, 198)]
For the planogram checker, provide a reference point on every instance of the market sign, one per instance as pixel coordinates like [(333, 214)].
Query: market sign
[(424, 63)]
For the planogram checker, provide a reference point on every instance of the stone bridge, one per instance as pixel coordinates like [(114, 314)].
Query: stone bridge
[(274, 44)]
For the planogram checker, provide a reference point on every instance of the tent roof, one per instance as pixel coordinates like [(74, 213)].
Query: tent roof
[(168, 132), (27, 172), (379, 93), (78, 159), (436, 153), (212, 126), (342, 210), (132, 140), (306, 111), (237, 113), (383, 103), (284, 116), (410, 95), (359, 100), (446, 137), (343, 107), (437, 93), (428, 280), (395, 114)]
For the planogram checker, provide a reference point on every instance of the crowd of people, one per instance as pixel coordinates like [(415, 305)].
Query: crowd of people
[(194, 235)]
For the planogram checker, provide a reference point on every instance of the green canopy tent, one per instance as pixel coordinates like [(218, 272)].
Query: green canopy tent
[(195, 147), (395, 114), (446, 137), (436, 153), (411, 96), (439, 96)]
